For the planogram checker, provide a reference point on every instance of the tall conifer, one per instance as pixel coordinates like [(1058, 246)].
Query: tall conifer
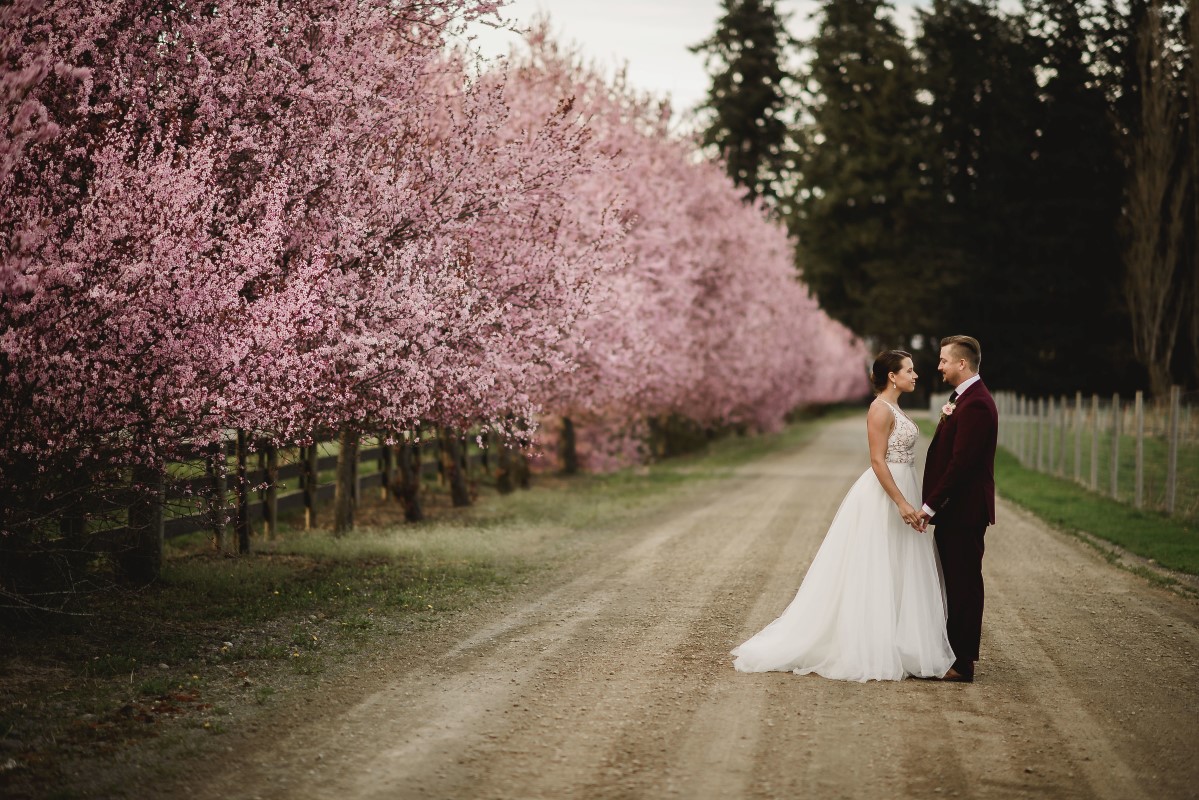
[(863, 192), (747, 102)]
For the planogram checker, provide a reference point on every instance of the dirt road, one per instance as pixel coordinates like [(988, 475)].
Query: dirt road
[(615, 680)]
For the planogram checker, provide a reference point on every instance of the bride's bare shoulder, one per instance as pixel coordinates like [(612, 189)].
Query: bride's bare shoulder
[(878, 410)]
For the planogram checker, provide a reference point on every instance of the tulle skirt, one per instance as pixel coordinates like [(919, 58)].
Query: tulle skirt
[(872, 605)]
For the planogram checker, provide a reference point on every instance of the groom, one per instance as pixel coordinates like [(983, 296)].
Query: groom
[(959, 495)]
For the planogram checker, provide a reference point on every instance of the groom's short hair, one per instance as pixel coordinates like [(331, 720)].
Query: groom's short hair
[(966, 347)]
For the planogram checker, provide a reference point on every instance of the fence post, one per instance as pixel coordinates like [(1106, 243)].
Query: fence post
[(1172, 451), (1040, 434), (1013, 425), (1115, 468), (1139, 423), (1094, 443), (1009, 403), (1019, 428), (1051, 425), (1065, 435), (1078, 437), (1025, 450), (1059, 434), (1001, 409), (1010, 426), (1001, 428)]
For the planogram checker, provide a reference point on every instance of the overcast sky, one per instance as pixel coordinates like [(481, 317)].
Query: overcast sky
[(651, 36)]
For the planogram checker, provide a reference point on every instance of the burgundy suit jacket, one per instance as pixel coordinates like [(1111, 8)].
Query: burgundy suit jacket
[(959, 472)]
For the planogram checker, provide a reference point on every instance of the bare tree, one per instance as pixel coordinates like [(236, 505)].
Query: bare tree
[(1192, 34), (1156, 207)]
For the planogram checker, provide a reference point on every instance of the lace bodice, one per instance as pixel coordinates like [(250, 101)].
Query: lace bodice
[(901, 444)]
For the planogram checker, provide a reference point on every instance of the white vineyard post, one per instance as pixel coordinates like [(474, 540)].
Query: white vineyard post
[(1139, 423), (1172, 452), (1078, 417), (1115, 467), (1052, 425)]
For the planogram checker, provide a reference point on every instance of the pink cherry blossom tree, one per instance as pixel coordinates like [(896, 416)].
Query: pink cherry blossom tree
[(312, 218), (702, 315), (184, 250)]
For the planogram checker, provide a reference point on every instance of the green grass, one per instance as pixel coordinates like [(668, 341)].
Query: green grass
[(1066, 457), (1172, 542)]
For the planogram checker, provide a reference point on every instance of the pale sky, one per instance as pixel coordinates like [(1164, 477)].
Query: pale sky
[(651, 36)]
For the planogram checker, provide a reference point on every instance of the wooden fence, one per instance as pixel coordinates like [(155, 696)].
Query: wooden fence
[(245, 495), (1135, 451)]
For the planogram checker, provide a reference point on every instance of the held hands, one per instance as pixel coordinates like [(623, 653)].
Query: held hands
[(914, 517)]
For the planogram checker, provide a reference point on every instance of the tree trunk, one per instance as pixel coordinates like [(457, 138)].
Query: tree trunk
[(309, 482), (451, 464), (485, 452), (344, 495), (218, 496), (72, 523), (504, 482), (270, 500), (1193, 109), (243, 494), (568, 448), (386, 464), (407, 485), (521, 471), (1156, 210), (142, 562)]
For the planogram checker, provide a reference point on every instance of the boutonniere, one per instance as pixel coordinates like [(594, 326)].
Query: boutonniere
[(947, 411)]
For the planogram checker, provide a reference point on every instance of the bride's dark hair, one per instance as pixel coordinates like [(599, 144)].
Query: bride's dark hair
[(885, 363)]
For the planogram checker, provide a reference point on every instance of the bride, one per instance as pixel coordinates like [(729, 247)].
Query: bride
[(872, 606)]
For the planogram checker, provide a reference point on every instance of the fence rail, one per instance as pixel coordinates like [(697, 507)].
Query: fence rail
[(266, 480), (1141, 452)]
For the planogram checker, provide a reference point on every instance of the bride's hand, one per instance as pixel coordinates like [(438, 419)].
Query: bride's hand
[(909, 514)]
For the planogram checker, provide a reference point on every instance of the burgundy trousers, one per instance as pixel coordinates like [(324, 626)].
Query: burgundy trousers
[(961, 550)]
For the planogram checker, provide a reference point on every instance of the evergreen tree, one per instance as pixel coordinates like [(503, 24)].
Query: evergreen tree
[(863, 195), (977, 81), (1076, 188), (746, 58), (1029, 190)]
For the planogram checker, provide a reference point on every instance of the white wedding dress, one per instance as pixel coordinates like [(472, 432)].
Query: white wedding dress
[(872, 606)]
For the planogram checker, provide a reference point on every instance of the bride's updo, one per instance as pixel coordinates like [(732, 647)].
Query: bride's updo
[(887, 362)]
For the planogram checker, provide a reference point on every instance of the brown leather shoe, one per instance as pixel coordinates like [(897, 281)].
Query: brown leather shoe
[(953, 676)]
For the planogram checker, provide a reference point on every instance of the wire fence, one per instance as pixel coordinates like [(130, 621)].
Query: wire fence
[(1139, 451)]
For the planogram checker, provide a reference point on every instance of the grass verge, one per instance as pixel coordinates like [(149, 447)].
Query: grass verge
[(1170, 542)]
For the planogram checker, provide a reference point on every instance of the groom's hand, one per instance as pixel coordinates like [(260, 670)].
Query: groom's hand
[(921, 521)]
